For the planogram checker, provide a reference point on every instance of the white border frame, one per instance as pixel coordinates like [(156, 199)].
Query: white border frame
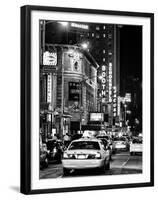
[(53, 183)]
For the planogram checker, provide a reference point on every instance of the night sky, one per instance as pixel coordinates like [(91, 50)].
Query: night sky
[(131, 51)]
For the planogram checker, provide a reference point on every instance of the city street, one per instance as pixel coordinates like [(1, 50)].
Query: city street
[(122, 163)]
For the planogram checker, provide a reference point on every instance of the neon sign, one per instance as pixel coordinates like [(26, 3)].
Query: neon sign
[(114, 101), (82, 26), (49, 89), (103, 89), (50, 58), (110, 82)]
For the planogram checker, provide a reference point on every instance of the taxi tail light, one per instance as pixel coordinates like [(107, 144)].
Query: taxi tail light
[(94, 156), (68, 156), (65, 155)]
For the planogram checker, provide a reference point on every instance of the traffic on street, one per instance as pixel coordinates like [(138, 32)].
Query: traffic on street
[(67, 162)]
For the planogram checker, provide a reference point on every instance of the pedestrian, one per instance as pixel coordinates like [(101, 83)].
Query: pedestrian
[(66, 139), (55, 137)]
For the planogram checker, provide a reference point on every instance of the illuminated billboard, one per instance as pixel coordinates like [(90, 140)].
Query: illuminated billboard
[(50, 58), (97, 117)]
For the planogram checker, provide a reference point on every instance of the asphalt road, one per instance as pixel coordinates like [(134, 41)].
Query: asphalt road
[(122, 163)]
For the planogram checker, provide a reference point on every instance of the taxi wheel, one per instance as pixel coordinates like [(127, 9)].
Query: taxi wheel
[(108, 166), (46, 162), (65, 171), (105, 167)]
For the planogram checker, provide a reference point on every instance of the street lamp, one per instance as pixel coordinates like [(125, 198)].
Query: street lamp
[(125, 106), (84, 45), (64, 23)]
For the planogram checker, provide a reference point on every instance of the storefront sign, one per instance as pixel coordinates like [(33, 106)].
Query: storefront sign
[(49, 58)]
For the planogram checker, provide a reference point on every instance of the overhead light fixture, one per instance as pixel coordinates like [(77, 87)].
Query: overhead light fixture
[(64, 23)]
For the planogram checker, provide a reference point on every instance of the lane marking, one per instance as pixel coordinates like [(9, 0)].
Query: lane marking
[(125, 162), (60, 176)]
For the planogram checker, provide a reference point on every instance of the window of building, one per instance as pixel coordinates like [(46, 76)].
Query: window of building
[(92, 34), (97, 28), (104, 35), (110, 64), (110, 36), (110, 53), (103, 59), (109, 45), (103, 51), (104, 27), (97, 36)]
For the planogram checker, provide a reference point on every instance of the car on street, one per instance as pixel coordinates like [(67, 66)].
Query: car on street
[(43, 156), (86, 153), (120, 144), (55, 148), (107, 143), (136, 146)]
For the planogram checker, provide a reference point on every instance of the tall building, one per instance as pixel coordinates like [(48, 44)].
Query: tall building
[(105, 47)]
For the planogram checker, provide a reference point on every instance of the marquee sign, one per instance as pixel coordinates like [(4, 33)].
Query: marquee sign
[(50, 58), (80, 26), (96, 117)]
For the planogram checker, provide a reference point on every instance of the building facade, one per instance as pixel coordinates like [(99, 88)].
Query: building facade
[(68, 89)]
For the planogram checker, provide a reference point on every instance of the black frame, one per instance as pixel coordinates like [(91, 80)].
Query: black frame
[(26, 98)]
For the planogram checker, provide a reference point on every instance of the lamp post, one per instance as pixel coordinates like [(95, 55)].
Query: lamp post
[(125, 106)]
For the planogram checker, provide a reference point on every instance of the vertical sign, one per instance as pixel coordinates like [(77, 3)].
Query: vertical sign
[(118, 106), (103, 89), (110, 82), (49, 88), (114, 101)]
